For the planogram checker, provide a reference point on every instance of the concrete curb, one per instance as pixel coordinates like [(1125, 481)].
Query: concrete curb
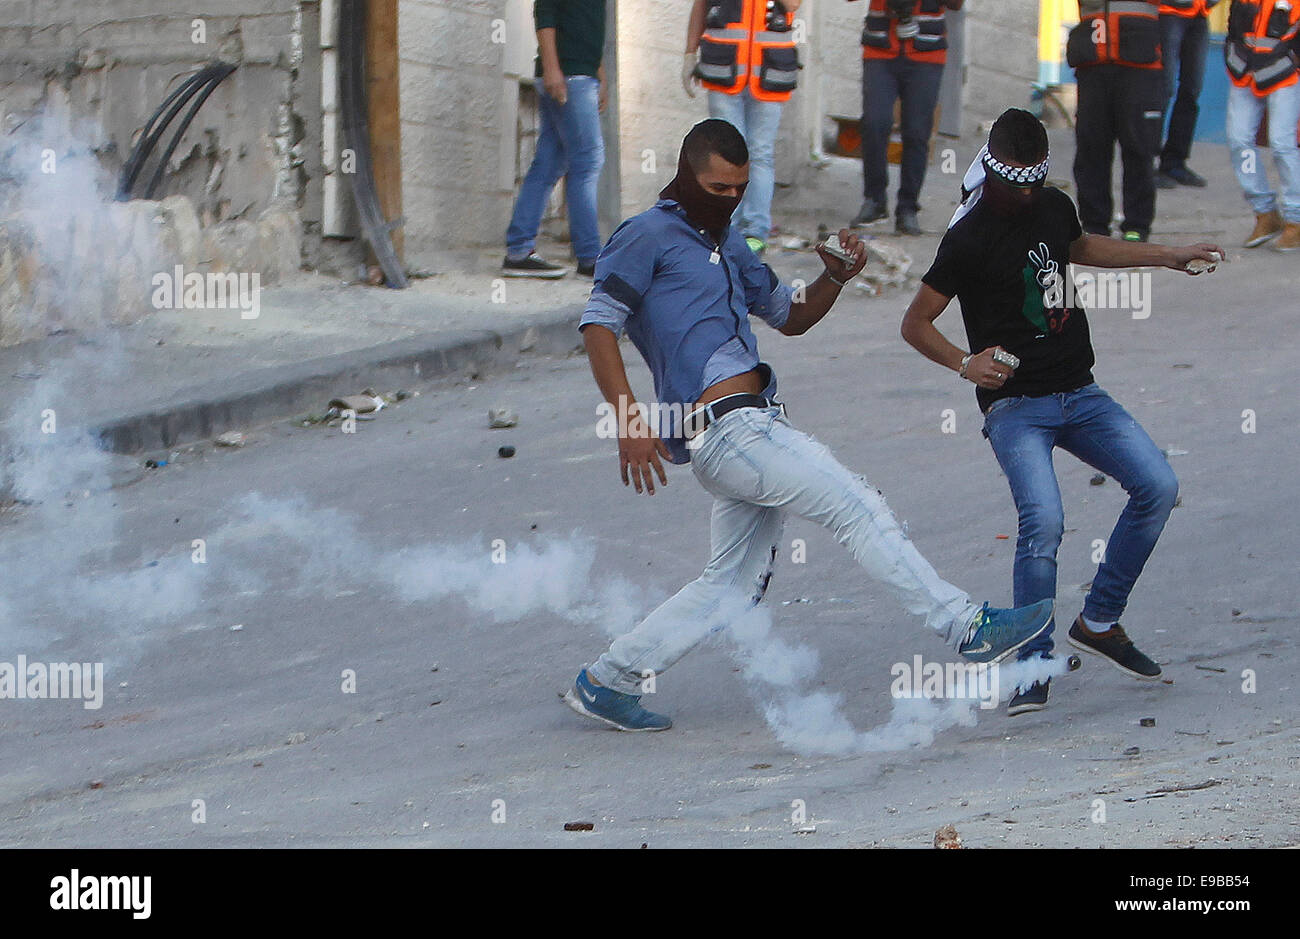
[(280, 391)]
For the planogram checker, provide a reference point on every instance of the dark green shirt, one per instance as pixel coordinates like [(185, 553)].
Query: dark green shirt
[(579, 33)]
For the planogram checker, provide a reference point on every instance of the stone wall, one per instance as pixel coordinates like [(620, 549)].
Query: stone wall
[(79, 80)]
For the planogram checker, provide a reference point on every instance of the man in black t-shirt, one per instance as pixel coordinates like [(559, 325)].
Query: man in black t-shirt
[(1005, 257)]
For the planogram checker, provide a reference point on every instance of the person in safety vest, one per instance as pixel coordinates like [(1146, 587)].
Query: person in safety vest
[(1115, 52), (1262, 66), (904, 48), (1184, 39), (743, 52)]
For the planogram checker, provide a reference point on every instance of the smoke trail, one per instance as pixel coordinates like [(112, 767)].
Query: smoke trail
[(92, 257), (814, 723)]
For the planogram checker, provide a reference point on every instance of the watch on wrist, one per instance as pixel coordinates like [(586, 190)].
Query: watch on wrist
[(965, 361)]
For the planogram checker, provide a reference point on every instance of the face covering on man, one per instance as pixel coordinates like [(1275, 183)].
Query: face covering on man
[(1009, 189), (710, 211)]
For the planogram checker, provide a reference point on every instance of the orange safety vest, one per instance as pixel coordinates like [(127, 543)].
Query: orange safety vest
[(1258, 48), (1116, 32), (928, 44), (749, 43), (1187, 7)]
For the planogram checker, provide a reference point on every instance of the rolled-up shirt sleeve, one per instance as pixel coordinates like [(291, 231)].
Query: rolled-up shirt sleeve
[(770, 300), (623, 273)]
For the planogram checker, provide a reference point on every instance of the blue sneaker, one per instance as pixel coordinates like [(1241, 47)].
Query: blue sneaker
[(618, 710), (995, 633)]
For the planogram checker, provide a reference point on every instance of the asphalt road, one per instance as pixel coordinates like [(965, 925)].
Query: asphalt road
[(371, 555)]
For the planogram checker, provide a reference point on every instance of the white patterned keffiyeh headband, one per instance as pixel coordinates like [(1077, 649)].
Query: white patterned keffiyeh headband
[(972, 184)]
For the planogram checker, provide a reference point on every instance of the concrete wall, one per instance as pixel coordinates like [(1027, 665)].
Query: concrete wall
[(116, 60), (79, 80), (1002, 56), (458, 126)]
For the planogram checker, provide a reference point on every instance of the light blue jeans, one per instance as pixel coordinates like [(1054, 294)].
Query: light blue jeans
[(758, 467), (757, 121), (1245, 112), (569, 145)]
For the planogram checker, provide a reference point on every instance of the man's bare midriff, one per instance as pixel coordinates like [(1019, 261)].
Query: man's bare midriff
[(750, 382)]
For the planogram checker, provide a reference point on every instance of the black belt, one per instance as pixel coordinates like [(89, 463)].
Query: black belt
[(704, 416)]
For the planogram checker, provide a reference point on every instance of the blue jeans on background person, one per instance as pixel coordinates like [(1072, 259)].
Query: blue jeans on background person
[(569, 145), (1245, 112), (757, 122), (1184, 41), (1089, 424), (916, 85)]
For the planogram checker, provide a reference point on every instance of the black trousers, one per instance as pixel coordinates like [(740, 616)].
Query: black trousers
[(1184, 40), (1124, 104), (916, 86)]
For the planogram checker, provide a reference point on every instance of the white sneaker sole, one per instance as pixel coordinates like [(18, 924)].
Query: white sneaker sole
[(537, 275), (1025, 708), (573, 701)]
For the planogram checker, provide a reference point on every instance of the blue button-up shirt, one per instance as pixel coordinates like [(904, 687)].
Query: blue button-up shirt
[(685, 304)]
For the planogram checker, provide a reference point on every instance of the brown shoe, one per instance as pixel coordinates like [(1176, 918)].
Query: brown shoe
[(1290, 240), (1267, 227)]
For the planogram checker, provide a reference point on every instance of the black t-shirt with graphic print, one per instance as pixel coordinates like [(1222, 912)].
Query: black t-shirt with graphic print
[(1001, 269)]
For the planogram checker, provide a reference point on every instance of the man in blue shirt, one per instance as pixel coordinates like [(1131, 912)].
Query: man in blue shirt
[(683, 284)]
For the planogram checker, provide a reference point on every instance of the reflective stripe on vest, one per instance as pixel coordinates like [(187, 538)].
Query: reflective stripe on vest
[(1130, 35), (880, 33), (1258, 53), (743, 53)]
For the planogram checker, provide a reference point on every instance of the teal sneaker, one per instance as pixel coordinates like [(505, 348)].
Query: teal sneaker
[(618, 710), (995, 633)]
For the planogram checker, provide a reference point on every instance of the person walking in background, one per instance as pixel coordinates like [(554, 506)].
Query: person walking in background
[(743, 53), (571, 95), (1115, 52), (1184, 39), (1262, 66), (904, 48)]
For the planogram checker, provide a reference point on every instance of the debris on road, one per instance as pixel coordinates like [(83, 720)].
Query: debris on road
[(238, 627), (299, 737), (1147, 722), (1132, 751), (365, 403), (1211, 668), (895, 261), (946, 838), (505, 452), (806, 830), (231, 438), (1097, 479), (97, 784), (578, 826), (502, 417)]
